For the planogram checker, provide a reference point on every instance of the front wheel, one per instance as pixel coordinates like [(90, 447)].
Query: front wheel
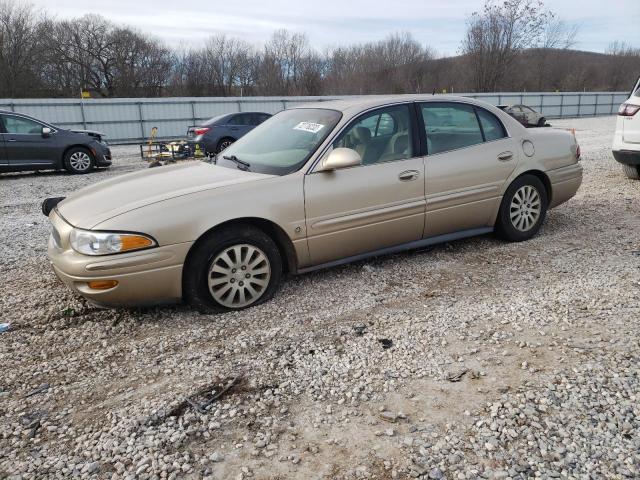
[(78, 160), (232, 269), (523, 209), (632, 171)]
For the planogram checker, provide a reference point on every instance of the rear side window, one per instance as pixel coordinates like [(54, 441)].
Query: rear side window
[(450, 126), (491, 126), (242, 119)]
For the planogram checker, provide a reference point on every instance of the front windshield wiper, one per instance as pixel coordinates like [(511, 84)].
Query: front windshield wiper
[(241, 163)]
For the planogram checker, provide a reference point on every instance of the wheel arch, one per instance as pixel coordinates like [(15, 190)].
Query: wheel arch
[(277, 234), (77, 145), (543, 178)]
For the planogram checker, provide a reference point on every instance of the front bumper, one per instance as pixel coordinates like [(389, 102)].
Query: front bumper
[(146, 277), (627, 157)]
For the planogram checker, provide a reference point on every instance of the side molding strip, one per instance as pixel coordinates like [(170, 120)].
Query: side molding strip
[(425, 242)]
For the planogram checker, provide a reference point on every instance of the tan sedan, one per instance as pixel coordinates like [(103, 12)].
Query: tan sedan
[(311, 187)]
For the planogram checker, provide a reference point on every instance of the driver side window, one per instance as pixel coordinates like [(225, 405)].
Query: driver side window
[(20, 125), (383, 135)]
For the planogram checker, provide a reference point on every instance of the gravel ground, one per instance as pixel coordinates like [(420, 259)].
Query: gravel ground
[(474, 359)]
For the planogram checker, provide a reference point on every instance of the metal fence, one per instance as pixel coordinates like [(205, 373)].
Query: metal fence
[(127, 120)]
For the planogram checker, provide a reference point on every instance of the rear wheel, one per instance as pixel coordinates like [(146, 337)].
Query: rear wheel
[(232, 269), (632, 171), (78, 160), (223, 144), (523, 209)]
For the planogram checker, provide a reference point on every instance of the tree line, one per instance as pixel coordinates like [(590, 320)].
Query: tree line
[(513, 45)]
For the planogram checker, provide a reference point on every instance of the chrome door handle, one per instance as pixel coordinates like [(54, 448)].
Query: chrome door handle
[(505, 156), (408, 175), (11, 140)]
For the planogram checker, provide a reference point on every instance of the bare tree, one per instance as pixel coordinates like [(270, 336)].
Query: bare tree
[(498, 34), (20, 49)]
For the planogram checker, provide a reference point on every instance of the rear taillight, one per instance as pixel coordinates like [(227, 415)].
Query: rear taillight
[(201, 130), (628, 110)]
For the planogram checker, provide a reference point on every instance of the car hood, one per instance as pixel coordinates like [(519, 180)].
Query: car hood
[(101, 201)]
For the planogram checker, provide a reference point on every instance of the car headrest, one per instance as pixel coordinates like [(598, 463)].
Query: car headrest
[(401, 144), (363, 134)]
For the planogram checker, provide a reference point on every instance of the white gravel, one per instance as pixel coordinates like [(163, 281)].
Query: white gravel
[(506, 360)]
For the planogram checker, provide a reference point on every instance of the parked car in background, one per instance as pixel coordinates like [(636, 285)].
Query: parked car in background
[(626, 140), (30, 144), (220, 132), (314, 186), (527, 116)]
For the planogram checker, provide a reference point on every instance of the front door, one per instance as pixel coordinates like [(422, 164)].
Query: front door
[(25, 144), (3, 154), (469, 158), (375, 205)]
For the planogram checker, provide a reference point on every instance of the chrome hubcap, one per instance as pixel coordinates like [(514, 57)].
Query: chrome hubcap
[(525, 208), (80, 161), (239, 276)]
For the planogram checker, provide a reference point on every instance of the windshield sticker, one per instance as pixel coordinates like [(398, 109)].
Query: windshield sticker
[(309, 127)]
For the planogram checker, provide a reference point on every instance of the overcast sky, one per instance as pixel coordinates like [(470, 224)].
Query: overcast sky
[(438, 23)]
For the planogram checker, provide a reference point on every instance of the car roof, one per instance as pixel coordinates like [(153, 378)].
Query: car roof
[(224, 116), (353, 105)]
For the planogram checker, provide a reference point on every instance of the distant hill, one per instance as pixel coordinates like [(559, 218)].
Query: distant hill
[(544, 70)]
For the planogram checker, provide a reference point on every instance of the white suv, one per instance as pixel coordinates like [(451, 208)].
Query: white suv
[(626, 141)]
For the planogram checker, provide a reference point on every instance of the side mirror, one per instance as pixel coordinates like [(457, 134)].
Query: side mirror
[(46, 131), (340, 158)]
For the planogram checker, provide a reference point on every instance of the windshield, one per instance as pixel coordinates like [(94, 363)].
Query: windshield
[(283, 143)]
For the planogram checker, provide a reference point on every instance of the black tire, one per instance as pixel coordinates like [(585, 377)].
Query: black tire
[(79, 160), (223, 144), (196, 274), (631, 171), (542, 122), (505, 227)]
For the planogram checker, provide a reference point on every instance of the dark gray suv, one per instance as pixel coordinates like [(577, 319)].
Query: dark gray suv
[(30, 144), (220, 132)]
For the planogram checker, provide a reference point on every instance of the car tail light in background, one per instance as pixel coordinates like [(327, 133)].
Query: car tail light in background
[(628, 110), (201, 130)]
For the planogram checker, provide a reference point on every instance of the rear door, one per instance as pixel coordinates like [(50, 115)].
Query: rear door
[(469, 158), (25, 144), (240, 124)]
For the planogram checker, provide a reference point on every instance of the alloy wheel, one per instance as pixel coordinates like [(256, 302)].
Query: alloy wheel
[(239, 276), (80, 161), (525, 208)]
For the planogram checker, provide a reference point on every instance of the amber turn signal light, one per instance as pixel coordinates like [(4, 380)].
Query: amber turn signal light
[(102, 284)]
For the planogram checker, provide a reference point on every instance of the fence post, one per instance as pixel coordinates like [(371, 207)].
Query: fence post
[(141, 120), (239, 105), (284, 104), (193, 112), (84, 119), (579, 103), (595, 109), (561, 103), (13, 106)]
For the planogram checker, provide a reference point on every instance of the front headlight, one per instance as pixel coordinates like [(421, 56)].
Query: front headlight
[(88, 242)]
